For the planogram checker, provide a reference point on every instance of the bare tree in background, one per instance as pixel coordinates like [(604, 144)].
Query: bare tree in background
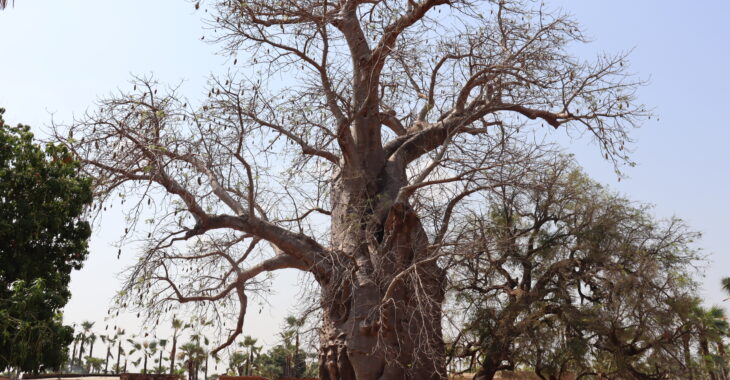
[(348, 148)]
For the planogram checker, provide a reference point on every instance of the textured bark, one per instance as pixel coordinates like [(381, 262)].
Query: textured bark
[(360, 68), (378, 323)]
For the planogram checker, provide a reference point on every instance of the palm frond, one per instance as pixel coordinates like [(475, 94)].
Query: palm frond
[(726, 284), (4, 3)]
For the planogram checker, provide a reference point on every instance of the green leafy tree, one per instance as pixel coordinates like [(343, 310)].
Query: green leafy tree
[(95, 364), (42, 239)]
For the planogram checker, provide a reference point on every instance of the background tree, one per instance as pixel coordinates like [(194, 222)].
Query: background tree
[(72, 358), (91, 339), (177, 326), (162, 343), (42, 239), (293, 331), (85, 333), (95, 364), (393, 116), (252, 350), (563, 276), (237, 363), (193, 355), (120, 351), (109, 341)]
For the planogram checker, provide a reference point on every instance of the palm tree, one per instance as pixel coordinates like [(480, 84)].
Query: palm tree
[(237, 363), (145, 348), (249, 343), (119, 335), (91, 339), (726, 286), (721, 329), (177, 325), (162, 343), (109, 341), (193, 354), (73, 352), (294, 326), (712, 327), (86, 331)]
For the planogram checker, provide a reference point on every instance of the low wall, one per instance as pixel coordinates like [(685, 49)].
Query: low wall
[(121, 376)]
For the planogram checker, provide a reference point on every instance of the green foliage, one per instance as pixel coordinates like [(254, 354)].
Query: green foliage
[(42, 239), (565, 276)]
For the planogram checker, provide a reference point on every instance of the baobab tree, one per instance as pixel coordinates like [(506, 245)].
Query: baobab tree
[(346, 149)]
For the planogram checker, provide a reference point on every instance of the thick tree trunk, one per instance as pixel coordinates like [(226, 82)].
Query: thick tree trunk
[(382, 304)]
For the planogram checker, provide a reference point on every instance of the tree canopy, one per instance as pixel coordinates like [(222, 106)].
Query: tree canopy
[(42, 239), (357, 168)]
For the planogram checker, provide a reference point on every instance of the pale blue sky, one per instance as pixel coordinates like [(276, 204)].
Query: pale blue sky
[(59, 56)]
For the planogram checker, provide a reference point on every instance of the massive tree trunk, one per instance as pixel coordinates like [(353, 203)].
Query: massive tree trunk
[(382, 305)]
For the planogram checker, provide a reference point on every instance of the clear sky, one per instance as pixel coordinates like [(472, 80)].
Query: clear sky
[(57, 57)]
